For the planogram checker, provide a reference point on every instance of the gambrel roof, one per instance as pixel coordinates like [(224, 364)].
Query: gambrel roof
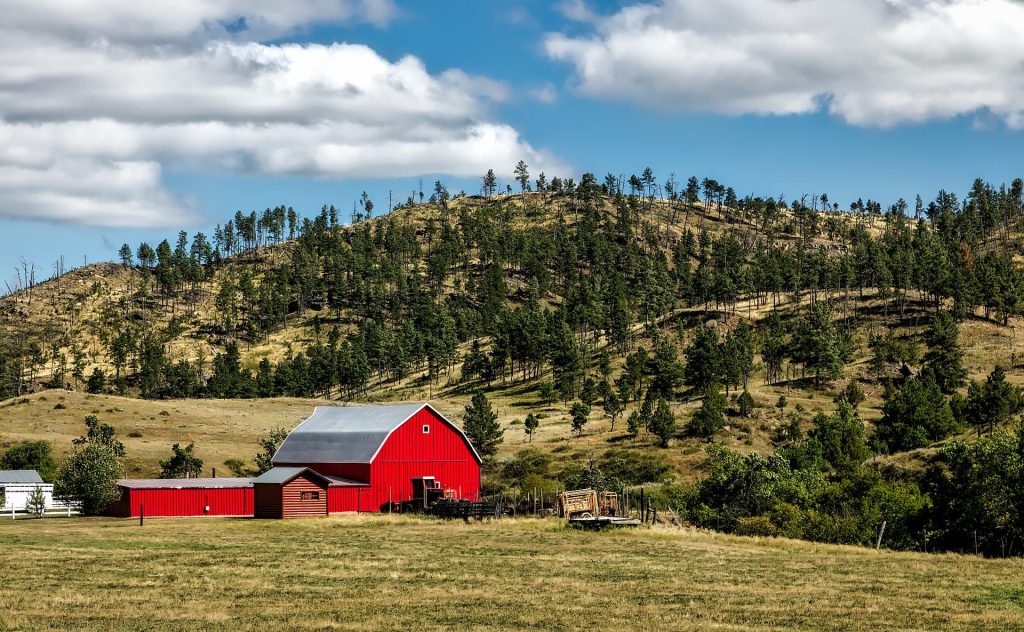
[(350, 434)]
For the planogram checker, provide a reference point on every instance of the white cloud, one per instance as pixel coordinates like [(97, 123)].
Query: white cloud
[(546, 93), (173, 22), (871, 63), (88, 124), (576, 10)]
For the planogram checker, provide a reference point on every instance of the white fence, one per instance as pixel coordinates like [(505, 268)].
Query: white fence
[(16, 497), (54, 511)]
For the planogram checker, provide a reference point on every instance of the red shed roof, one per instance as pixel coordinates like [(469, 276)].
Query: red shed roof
[(184, 483)]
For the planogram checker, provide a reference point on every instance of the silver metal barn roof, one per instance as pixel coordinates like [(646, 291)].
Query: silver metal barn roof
[(184, 483), (22, 477), (349, 434)]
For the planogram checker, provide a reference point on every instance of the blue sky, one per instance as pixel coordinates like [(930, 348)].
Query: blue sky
[(603, 87)]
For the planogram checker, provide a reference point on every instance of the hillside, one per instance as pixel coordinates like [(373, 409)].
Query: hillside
[(558, 305), (386, 573)]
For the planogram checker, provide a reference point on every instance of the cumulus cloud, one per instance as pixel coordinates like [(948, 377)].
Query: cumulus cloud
[(871, 63), (181, 20), (88, 124)]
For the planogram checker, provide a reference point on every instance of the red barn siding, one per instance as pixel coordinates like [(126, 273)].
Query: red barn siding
[(184, 502), (408, 453), (344, 499), (352, 471)]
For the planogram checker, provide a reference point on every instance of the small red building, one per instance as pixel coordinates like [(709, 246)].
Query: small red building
[(184, 497)]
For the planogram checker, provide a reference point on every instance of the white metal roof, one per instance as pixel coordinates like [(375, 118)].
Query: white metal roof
[(26, 477), (184, 483)]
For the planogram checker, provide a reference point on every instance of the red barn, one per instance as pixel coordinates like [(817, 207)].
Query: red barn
[(183, 497), (342, 458), (373, 456)]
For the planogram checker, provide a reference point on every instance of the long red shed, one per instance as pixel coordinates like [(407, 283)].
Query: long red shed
[(183, 497)]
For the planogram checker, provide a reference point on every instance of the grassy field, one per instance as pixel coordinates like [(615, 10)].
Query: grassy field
[(385, 573)]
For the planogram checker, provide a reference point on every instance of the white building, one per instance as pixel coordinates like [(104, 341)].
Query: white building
[(17, 485)]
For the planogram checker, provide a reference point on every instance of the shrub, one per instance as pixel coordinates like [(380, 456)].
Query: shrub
[(36, 504), (756, 526), (633, 467)]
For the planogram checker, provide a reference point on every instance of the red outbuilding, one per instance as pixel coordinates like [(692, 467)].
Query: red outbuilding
[(340, 459), (183, 497)]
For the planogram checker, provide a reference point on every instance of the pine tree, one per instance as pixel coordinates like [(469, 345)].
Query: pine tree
[(530, 425), (268, 448), (36, 503), (480, 424), (992, 402), (613, 407), (944, 359), (710, 417), (817, 345), (634, 424), (580, 413), (663, 422), (703, 359)]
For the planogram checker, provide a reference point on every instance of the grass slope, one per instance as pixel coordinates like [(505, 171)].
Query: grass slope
[(386, 573)]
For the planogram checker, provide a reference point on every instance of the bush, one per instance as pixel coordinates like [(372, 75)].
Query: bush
[(633, 467), (89, 478), (31, 455), (36, 504), (756, 526), (237, 467), (746, 403)]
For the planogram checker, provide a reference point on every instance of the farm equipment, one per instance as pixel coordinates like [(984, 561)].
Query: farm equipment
[(588, 509)]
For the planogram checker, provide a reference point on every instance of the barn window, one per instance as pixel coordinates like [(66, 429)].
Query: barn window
[(426, 429), (309, 495)]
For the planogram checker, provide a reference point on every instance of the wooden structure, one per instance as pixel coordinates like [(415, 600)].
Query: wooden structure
[(290, 492), (577, 503)]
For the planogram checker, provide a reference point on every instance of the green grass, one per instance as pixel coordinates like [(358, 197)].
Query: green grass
[(384, 573)]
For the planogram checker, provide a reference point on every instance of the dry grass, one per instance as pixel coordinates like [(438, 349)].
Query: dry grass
[(386, 573), (221, 429)]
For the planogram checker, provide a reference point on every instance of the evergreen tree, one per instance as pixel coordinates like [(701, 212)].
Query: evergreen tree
[(914, 415), (841, 437), (944, 358), (634, 424), (663, 422), (480, 424), (710, 417), (579, 413), (666, 371), (36, 502), (817, 344), (992, 402), (703, 359), (613, 407), (530, 425), (746, 404)]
